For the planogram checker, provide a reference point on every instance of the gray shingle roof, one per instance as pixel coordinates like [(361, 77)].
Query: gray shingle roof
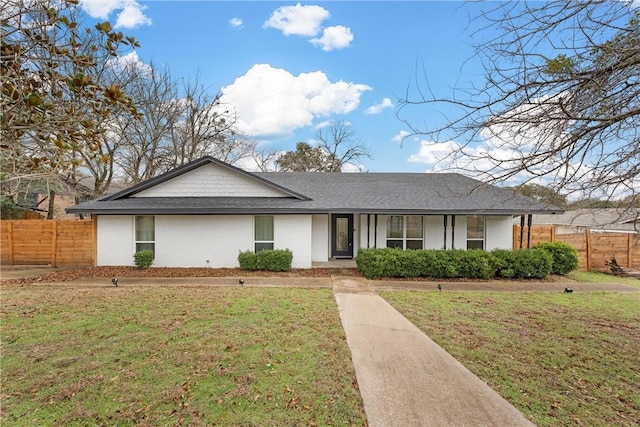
[(380, 193)]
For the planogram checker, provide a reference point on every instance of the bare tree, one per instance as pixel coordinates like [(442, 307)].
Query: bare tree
[(560, 103), (336, 148), (339, 140), (204, 127)]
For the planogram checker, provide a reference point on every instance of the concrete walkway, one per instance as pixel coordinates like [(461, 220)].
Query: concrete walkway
[(406, 379)]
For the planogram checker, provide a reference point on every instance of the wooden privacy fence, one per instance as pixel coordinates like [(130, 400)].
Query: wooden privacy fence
[(593, 248), (47, 242)]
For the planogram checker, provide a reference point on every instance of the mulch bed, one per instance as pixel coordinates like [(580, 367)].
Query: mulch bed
[(65, 275)]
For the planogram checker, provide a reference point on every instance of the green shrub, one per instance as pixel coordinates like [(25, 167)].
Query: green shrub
[(564, 256), (522, 264), (268, 260), (391, 262), (143, 259)]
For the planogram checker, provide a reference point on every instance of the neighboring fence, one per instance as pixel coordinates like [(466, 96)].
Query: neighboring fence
[(593, 248), (47, 242)]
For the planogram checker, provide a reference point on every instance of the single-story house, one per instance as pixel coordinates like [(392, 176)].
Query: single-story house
[(204, 213)]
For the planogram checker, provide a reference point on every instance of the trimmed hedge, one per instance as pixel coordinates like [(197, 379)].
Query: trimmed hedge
[(522, 264), (565, 257), (143, 259), (267, 260), (452, 264)]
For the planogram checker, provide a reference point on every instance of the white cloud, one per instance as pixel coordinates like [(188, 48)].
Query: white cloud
[(131, 12), (130, 60), (236, 22), (298, 20), (132, 16), (337, 37), (271, 102), (400, 137), (378, 108)]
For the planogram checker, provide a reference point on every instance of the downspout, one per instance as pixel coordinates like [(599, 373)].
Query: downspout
[(453, 231), (445, 232), (529, 220), (521, 230)]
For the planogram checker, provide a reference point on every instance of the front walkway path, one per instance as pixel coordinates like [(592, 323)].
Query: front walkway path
[(406, 379)]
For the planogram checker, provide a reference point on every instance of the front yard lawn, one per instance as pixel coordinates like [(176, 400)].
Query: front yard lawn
[(175, 356), (561, 359)]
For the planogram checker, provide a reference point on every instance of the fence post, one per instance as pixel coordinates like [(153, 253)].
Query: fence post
[(10, 241), (553, 233), (629, 253), (54, 243), (588, 243)]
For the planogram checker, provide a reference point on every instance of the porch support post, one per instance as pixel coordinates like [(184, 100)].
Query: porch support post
[(368, 228), (521, 230), (529, 220), (375, 230), (445, 232), (453, 231)]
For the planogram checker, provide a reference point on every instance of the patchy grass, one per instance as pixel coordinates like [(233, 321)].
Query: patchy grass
[(175, 356), (561, 359), (596, 277)]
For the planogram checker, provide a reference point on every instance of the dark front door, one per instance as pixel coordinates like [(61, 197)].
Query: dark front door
[(342, 236)]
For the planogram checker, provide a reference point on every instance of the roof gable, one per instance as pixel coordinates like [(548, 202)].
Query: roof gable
[(207, 177)]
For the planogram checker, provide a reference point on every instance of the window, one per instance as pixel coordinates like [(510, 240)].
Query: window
[(263, 232), (405, 232), (475, 232), (145, 233)]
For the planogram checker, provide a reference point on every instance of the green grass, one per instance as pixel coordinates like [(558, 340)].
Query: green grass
[(161, 356), (595, 277), (561, 359)]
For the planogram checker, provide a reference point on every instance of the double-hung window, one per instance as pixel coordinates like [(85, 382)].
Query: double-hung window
[(263, 232), (405, 232), (475, 232), (145, 233)]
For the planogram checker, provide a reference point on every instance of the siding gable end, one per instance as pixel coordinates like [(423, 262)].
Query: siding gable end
[(211, 180)]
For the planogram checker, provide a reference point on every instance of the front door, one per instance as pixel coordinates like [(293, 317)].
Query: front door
[(342, 236)]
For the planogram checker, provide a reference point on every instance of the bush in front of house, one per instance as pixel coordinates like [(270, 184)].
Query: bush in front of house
[(565, 257), (391, 262), (143, 259), (267, 260), (522, 264)]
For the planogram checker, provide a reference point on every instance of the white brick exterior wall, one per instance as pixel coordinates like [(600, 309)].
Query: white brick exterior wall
[(191, 240), (211, 180)]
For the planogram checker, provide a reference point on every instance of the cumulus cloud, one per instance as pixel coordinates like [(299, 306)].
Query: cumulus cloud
[(271, 102), (306, 21), (337, 37), (236, 22), (130, 61), (299, 20), (131, 13), (378, 108), (400, 137)]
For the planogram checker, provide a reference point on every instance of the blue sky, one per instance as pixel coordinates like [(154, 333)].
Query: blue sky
[(290, 67)]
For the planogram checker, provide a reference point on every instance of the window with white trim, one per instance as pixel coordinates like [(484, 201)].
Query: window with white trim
[(263, 232), (405, 232), (145, 233), (475, 232)]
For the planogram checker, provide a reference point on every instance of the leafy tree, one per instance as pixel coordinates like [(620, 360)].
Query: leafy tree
[(560, 100), (306, 158), (53, 105)]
